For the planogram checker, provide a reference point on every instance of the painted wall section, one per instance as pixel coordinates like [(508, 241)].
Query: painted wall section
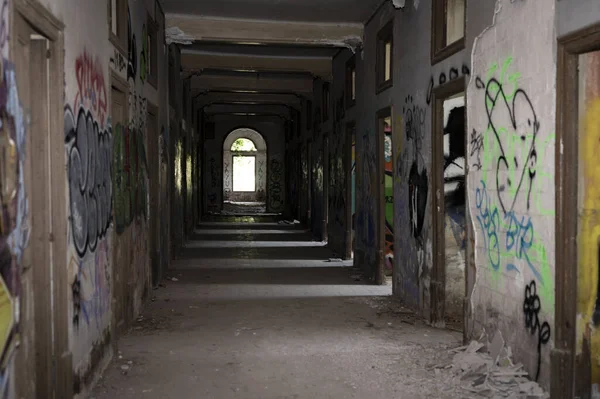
[(511, 116), (588, 239)]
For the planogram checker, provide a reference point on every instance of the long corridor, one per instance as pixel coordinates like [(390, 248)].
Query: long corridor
[(256, 309)]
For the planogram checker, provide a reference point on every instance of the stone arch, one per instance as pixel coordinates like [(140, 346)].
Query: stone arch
[(259, 195)]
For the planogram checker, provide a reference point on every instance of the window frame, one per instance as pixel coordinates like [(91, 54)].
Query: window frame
[(152, 61), (385, 34), (350, 68), (439, 49), (118, 40)]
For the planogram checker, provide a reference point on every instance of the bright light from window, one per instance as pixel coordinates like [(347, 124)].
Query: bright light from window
[(243, 145), (244, 173)]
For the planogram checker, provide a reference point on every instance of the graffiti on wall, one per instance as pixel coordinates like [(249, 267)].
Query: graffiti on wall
[(389, 195), (129, 177), (509, 138), (418, 179), (504, 154), (90, 288), (91, 88), (444, 78), (89, 153), (89, 148), (531, 310), (275, 185), (14, 213)]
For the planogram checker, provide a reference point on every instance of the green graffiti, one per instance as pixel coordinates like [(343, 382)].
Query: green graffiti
[(130, 176), (512, 170)]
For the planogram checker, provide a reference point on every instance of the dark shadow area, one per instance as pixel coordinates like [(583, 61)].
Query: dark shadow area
[(241, 253), (252, 236), (276, 276)]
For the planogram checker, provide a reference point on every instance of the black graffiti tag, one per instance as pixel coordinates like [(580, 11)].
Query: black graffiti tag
[(531, 309), (518, 111), (89, 151)]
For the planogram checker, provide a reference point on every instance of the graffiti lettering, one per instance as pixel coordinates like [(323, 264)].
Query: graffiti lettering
[(512, 170), (275, 198), (89, 174), (476, 148), (91, 89), (118, 61), (130, 165)]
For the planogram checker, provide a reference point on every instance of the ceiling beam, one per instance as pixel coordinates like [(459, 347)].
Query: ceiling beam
[(252, 82), (244, 31), (205, 98), (315, 66)]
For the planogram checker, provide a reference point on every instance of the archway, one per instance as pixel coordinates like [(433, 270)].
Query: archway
[(244, 172)]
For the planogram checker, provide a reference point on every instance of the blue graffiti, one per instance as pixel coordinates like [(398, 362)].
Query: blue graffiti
[(519, 237), (489, 222), (519, 233)]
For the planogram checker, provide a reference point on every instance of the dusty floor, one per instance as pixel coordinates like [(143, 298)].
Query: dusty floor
[(258, 311)]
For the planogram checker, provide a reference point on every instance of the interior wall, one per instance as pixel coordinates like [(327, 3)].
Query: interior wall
[(511, 180), (338, 183), (107, 218)]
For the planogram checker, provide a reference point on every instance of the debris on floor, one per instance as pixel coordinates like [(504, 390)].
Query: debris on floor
[(488, 371), (289, 222)]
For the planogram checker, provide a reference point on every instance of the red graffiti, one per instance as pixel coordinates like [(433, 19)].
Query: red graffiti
[(91, 90)]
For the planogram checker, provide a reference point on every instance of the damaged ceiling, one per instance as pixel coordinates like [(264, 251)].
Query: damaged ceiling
[(324, 11), (275, 48)]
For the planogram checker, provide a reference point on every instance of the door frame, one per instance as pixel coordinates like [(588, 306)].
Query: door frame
[(380, 202), (438, 280), (52, 29), (326, 175), (350, 131), (563, 357)]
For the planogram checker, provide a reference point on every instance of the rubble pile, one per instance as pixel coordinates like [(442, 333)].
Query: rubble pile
[(491, 373)]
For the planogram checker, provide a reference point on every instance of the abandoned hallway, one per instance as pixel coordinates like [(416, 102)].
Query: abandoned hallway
[(259, 310), (299, 199)]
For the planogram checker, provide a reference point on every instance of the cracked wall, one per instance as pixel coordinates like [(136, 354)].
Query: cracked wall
[(511, 119)]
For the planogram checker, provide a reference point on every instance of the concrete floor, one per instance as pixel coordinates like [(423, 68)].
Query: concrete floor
[(258, 311)]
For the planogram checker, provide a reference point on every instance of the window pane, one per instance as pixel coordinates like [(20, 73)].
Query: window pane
[(388, 61), (455, 22), (353, 91), (243, 145), (113, 17), (244, 173)]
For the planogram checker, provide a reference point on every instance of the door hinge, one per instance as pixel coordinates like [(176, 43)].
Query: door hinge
[(48, 53)]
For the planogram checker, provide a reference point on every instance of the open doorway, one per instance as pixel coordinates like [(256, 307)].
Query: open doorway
[(244, 173), (576, 371), (450, 224), (386, 197)]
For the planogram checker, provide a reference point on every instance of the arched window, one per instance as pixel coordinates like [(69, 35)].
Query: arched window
[(243, 145)]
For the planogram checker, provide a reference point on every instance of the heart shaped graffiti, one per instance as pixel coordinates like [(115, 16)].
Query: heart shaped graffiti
[(513, 120)]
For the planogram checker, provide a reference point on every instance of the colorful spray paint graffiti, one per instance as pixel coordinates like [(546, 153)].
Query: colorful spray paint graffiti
[(588, 279), (511, 157), (129, 177), (388, 160), (14, 213), (504, 154), (89, 147)]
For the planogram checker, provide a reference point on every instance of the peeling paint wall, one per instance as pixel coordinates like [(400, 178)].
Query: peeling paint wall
[(511, 119)]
